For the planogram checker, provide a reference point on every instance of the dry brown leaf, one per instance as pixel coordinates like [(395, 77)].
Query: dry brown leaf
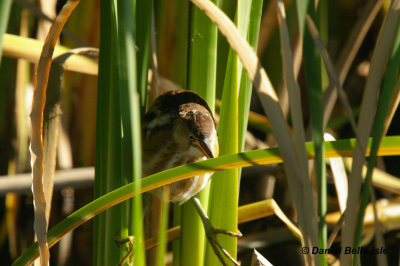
[(36, 146)]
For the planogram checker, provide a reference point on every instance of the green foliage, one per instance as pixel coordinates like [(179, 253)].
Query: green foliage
[(192, 53)]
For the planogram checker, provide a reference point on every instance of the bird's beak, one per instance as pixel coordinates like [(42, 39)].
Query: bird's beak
[(204, 147)]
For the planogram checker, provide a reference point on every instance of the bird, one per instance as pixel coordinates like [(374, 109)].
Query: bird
[(178, 129)]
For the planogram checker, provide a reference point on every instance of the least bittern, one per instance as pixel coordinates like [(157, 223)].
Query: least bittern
[(178, 129)]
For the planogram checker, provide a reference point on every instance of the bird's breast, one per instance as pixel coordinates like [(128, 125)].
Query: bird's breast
[(183, 190)]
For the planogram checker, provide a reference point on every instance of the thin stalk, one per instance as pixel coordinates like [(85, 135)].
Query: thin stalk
[(201, 79), (245, 82), (142, 32), (131, 142), (313, 71), (108, 137)]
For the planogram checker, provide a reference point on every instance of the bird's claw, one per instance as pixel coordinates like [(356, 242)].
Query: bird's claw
[(211, 234), (119, 242)]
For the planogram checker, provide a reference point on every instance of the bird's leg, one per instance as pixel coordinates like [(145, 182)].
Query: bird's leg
[(119, 242), (211, 233)]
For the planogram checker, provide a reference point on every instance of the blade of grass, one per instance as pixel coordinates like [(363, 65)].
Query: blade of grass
[(153, 72), (224, 190), (331, 72), (201, 79), (267, 27), (130, 114), (365, 122), (144, 11), (202, 56), (224, 185), (313, 73), (108, 137), (302, 7), (162, 235), (51, 120), (245, 82), (292, 85), (339, 177), (229, 7), (245, 89)]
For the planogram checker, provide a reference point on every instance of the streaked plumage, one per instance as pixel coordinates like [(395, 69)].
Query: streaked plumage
[(179, 129)]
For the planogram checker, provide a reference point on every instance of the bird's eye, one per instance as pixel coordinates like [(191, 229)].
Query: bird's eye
[(191, 138)]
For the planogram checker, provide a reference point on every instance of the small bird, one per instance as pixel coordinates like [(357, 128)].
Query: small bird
[(179, 129)]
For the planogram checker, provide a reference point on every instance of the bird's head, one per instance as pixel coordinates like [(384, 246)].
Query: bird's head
[(186, 118), (195, 130)]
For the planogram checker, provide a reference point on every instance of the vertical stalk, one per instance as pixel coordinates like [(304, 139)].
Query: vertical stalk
[(108, 137), (130, 114), (201, 79), (313, 71)]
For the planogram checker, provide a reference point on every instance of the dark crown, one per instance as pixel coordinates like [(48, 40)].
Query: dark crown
[(171, 101)]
